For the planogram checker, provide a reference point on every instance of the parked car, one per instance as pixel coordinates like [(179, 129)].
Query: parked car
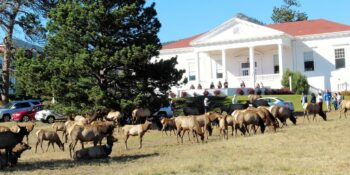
[(26, 115), (164, 112), (49, 116), (279, 102), (15, 106)]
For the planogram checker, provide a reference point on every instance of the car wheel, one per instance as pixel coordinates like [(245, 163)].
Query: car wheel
[(51, 119), (7, 118), (25, 119)]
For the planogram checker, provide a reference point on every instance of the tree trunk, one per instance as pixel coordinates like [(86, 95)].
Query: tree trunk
[(6, 68), (8, 54)]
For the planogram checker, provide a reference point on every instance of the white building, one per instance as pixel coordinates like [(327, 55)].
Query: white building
[(318, 49)]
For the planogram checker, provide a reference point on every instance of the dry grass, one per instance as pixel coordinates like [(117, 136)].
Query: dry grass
[(307, 148)]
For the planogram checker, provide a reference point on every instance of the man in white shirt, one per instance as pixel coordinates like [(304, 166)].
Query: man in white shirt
[(206, 104)]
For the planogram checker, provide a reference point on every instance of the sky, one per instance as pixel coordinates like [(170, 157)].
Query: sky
[(184, 18)]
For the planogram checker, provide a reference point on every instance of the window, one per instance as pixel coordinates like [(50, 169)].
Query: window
[(192, 70), (276, 67), (245, 68), (339, 58), (22, 105), (219, 72), (308, 61)]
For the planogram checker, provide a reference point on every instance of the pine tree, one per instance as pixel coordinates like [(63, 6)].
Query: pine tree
[(285, 13), (26, 15), (99, 56)]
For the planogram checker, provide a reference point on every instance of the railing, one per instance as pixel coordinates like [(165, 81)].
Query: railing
[(267, 77)]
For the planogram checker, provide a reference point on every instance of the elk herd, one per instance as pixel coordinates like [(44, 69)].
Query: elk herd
[(247, 120)]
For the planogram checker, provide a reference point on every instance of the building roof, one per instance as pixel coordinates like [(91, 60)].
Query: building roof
[(309, 27), (183, 43), (298, 28)]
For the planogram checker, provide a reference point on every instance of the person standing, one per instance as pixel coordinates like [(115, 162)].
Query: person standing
[(219, 85), (339, 99), (212, 85), (242, 84), (313, 98), (319, 100), (327, 98), (225, 84), (206, 104), (303, 99), (335, 101), (234, 99)]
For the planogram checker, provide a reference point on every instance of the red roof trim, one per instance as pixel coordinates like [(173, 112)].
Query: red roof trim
[(298, 28)]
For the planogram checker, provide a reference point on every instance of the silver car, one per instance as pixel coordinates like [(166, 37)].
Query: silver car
[(16, 106), (279, 102)]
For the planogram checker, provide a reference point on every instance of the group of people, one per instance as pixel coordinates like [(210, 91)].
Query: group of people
[(212, 86), (327, 97)]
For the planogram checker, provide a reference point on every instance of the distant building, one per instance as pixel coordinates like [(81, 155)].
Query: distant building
[(244, 50)]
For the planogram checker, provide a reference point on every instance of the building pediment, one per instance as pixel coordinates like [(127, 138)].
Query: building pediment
[(235, 30)]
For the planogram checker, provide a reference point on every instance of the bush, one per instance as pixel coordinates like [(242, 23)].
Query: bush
[(239, 91), (282, 91), (299, 82), (217, 92), (250, 91), (183, 94)]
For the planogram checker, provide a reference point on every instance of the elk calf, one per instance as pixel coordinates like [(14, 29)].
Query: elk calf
[(50, 136)]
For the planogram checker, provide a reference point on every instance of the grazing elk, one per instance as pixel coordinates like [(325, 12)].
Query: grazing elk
[(313, 108), (282, 113), (188, 123), (51, 137)]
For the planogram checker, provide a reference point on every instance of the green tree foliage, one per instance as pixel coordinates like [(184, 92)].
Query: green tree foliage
[(26, 15), (286, 13), (98, 56), (299, 81)]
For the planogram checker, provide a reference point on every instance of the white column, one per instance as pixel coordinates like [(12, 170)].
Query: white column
[(197, 66), (252, 66), (280, 59), (224, 70)]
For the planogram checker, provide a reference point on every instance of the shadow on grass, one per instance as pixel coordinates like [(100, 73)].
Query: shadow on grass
[(69, 163)]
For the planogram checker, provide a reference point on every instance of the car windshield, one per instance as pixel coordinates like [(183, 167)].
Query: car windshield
[(8, 105), (280, 99)]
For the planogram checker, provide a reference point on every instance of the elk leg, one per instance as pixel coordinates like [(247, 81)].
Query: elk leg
[(36, 145), (126, 141), (53, 147), (48, 145), (140, 141), (42, 146)]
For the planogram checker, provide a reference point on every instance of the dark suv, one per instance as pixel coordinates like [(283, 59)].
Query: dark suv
[(15, 106)]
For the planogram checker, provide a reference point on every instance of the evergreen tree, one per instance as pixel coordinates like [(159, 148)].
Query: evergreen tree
[(285, 13), (26, 15), (99, 56)]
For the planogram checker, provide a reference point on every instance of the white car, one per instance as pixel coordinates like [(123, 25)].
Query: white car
[(49, 116), (279, 102)]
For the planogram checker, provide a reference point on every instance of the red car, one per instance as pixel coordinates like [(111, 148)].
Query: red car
[(26, 115)]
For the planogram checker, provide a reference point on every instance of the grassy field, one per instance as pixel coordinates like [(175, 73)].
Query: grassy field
[(307, 148)]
